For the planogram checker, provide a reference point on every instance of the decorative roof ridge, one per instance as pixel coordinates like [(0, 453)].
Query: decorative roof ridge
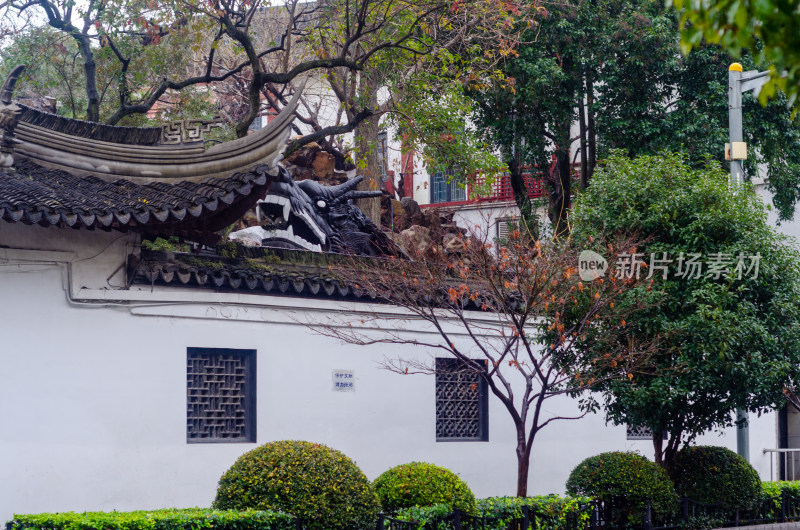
[(134, 153), (92, 130)]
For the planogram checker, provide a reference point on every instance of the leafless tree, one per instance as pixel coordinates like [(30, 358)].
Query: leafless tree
[(525, 311)]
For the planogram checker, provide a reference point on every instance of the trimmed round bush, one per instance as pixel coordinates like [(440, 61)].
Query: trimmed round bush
[(320, 485), (421, 484), (712, 475), (625, 481)]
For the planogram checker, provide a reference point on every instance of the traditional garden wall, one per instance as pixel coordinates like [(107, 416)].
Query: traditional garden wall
[(94, 393)]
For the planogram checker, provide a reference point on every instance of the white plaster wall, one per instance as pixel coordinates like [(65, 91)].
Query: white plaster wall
[(790, 228), (94, 407), (481, 219), (422, 183), (476, 218)]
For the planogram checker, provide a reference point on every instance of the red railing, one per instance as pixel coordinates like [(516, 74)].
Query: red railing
[(501, 187)]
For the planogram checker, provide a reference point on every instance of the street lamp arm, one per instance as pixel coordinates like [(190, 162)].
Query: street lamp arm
[(754, 80), (754, 74)]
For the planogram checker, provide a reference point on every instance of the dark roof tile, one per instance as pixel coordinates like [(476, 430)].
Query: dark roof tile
[(297, 276), (34, 194)]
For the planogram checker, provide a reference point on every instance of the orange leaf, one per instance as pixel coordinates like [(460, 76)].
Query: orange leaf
[(453, 295)]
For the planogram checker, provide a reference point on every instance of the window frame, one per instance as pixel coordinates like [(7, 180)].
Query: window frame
[(250, 391), (501, 227), (483, 402), (452, 191)]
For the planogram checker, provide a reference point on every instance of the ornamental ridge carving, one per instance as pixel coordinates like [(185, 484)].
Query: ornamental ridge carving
[(9, 116), (186, 131)]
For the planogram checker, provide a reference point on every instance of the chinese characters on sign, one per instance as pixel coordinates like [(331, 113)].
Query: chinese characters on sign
[(343, 381), (687, 265)]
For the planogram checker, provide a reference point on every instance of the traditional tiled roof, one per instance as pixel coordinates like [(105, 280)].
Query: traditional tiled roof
[(264, 271), (32, 194), (164, 181), (283, 272)]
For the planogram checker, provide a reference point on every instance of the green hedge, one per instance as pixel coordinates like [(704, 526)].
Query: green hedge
[(773, 489), (421, 484), (552, 509), (429, 516), (626, 481), (171, 519), (321, 486), (712, 474)]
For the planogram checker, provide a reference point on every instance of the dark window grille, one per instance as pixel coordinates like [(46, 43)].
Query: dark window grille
[(220, 395), (461, 402), (640, 432)]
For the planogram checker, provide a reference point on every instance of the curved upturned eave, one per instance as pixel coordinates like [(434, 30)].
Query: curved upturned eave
[(158, 163)]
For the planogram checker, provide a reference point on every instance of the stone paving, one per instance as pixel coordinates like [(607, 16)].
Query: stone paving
[(773, 526)]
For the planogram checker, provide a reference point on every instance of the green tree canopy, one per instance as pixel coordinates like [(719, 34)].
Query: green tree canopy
[(615, 68), (727, 334), (693, 117), (768, 28)]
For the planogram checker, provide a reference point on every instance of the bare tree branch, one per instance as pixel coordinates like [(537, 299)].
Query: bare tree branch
[(516, 315)]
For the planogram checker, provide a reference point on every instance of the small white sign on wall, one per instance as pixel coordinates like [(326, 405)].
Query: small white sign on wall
[(344, 381)]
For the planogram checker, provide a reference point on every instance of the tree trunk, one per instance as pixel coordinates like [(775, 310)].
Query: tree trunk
[(561, 181), (366, 139), (584, 153), (673, 443), (90, 71), (523, 467), (368, 167), (665, 456), (523, 461), (522, 196), (254, 87), (590, 124), (658, 444), (560, 190)]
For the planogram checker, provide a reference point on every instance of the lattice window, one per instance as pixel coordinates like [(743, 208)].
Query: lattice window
[(220, 395), (640, 432), (461, 402)]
